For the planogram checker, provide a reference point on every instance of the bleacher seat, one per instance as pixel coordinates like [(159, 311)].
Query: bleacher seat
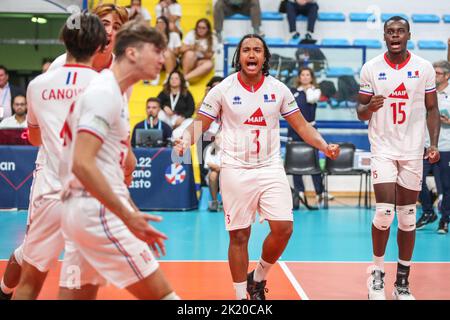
[(232, 40), (410, 45), (238, 16), (425, 18), (334, 72), (301, 18), (431, 45), (271, 16), (361, 16), (386, 16), (331, 16), (335, 42), (272, 41), (369, 43), (446, 18)]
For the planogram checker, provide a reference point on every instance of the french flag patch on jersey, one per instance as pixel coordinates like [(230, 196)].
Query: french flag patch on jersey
[(413, 75), (71, 78), (269, 98)]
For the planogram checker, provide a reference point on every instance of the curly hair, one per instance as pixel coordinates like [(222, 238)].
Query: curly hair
[(237, 54)]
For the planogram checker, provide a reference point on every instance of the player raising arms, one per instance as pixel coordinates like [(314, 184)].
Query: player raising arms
[(110, 237), (398, 97), (249, 103)]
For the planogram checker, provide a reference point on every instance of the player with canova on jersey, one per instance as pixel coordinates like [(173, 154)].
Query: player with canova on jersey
[(249, 103), (110, 236), (49, 98), (398, 97)]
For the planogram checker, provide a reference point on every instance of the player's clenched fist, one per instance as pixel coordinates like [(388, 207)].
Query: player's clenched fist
[(432, 154), (180, 145), (332, 151), (376, 102)]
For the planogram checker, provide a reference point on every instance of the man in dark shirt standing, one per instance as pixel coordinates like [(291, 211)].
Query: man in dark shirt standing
[(153, 106)]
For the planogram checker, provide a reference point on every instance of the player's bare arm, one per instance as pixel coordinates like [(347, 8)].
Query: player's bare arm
[(434, 126), (192, 134), (86, 170), (311, 136), (130, 165), (368, 105), (34, 136)]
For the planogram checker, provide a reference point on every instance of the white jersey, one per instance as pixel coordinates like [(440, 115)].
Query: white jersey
[(102, 111), (397, 130), (49, 97), (250, 120)]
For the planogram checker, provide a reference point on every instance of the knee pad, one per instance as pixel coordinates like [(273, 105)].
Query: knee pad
[(18, 255), (406, 217), (171, 296), (384, 215)]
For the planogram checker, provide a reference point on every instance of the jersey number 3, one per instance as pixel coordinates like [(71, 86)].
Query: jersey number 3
[(398, 114)]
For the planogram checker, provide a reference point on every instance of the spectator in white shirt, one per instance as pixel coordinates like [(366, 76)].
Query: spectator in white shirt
[(137, 11), (212, 163), (173, 44), (198, 50), (18, 120), (172, 11)]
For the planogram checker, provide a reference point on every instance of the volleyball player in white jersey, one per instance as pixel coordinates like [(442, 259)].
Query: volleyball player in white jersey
[(398, 97), (112, 17), (249, 103), (111, 237)]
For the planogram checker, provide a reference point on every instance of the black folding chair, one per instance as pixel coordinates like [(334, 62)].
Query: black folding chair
[(301, 159)]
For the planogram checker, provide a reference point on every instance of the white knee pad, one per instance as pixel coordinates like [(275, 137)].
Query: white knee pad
[(18, 255), (384, 215), (406, 217)]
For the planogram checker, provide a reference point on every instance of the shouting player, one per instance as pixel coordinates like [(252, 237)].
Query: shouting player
[(398, 97), (249, 103)]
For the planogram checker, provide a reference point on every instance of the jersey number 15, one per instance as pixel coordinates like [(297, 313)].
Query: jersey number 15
[(398, 114)]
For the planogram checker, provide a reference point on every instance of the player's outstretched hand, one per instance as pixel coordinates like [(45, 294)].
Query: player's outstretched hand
[(333, 151), (432, 154), (138, 225), (376, 102), (180, 145)]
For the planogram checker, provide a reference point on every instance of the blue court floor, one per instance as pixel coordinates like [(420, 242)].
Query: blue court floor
[(337, 234)]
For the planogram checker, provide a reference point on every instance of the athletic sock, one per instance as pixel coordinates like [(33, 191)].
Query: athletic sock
[(261, 271), (402, 273), (5, 289), (379, 262), (241, 290)]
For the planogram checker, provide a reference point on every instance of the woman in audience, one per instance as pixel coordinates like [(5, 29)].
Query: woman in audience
[(176, 101), (172, 11), (173, 44), (198, 50), (307, 95), (137, 11)]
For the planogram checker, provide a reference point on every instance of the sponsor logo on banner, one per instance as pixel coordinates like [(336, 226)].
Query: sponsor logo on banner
[(256, 119), (175, 174), (400, 92)]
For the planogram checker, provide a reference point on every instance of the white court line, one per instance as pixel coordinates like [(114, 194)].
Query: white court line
[(412, 262), (293, 281)]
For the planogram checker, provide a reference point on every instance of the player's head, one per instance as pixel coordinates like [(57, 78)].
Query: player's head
[(83, 36), (153, 105), (19, 104), (442, 69), (305, 77), (143, 47), (214, 81), (46, 62), (4, 76), (396, 34), (252, 55), (112, 17)]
